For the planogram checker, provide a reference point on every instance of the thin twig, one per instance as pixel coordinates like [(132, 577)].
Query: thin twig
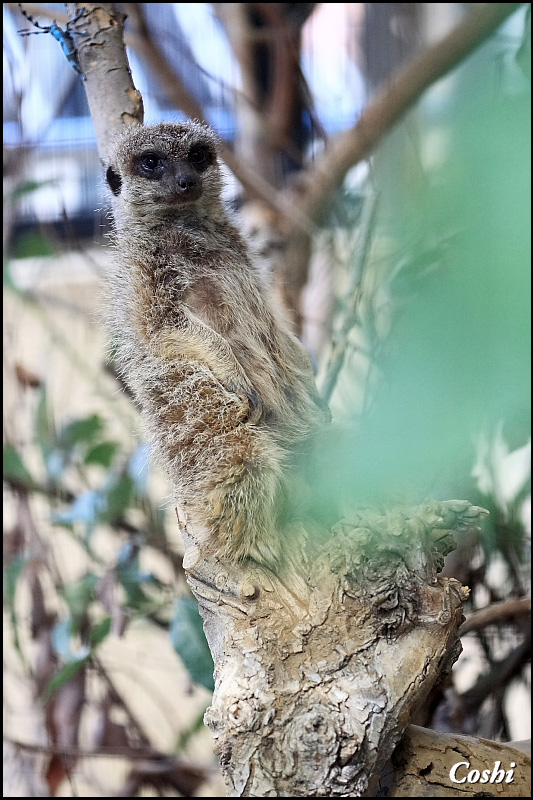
[(132, 753), (339, 349)]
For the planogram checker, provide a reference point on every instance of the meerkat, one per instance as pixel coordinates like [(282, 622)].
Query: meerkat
[(226, 388)]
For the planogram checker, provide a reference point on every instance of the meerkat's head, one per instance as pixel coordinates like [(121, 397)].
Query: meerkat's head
[(165, 170)]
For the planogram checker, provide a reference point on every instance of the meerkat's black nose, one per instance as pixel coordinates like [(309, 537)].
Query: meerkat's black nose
[(186, 180)]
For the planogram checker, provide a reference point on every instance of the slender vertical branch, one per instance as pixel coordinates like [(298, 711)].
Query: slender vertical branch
[(113, 102)]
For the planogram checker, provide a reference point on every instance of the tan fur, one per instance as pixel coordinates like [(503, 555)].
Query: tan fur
[(226, 388)]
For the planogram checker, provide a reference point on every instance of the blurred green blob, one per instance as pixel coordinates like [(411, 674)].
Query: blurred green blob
[(14, 468), (32, 244), (102, 454), (457, 360)]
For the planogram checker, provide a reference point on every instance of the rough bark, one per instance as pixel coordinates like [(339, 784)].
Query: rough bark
[(318, 670)]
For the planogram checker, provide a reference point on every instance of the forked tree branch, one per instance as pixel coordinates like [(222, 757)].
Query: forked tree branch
[(319, 182), (399, 95)]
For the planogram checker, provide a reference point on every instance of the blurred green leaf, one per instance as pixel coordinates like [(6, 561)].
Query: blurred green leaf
[(118, 497), (12, 573), (27, 187), (458, 357), (81, 431), (7, 277), (45, 432), (32, 244), (188, 639), (62, 635), (12, 570), (79, 595), (100, 632), (132, 578), (64, 674), (102, 454), (14, 468)]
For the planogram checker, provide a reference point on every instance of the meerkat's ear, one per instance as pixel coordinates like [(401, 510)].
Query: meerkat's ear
[(114, 181)]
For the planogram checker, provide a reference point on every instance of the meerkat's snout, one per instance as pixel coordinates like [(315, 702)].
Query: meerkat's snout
[(187, 181)]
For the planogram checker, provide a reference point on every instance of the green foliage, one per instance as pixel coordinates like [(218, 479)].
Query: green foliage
[(12, 572), (75, 660), (26, 187), (452, 292), (102, 454), (92, 482), (63, 676), (188, 638), (14, 469), (80, 431), (32, 244), (78, 596)]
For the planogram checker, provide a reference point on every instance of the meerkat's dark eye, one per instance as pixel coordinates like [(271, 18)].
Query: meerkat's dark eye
[(151, 165), (200, 157)]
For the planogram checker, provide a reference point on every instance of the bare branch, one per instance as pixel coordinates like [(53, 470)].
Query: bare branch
[(424, 758), (499, 675), (496, 614), (317, 184), (400, 94)]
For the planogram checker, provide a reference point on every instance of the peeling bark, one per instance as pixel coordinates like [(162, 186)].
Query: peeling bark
[(318, 670)]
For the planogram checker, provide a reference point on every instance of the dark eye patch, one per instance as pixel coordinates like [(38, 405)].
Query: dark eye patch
[(200, 157), (114, 181), (151, 164)]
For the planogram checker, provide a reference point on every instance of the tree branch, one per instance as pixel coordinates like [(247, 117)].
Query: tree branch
[(318, 669), (113, 103), (495, 614), (392, 103), (318, 183)]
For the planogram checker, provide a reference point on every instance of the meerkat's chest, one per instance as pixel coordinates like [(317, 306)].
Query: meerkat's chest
[(206, 298)]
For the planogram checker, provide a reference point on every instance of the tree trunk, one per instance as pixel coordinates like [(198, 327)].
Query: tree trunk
[(318, 670)]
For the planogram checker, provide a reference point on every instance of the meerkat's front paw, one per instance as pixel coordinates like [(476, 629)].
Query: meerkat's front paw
[(248, 395)]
